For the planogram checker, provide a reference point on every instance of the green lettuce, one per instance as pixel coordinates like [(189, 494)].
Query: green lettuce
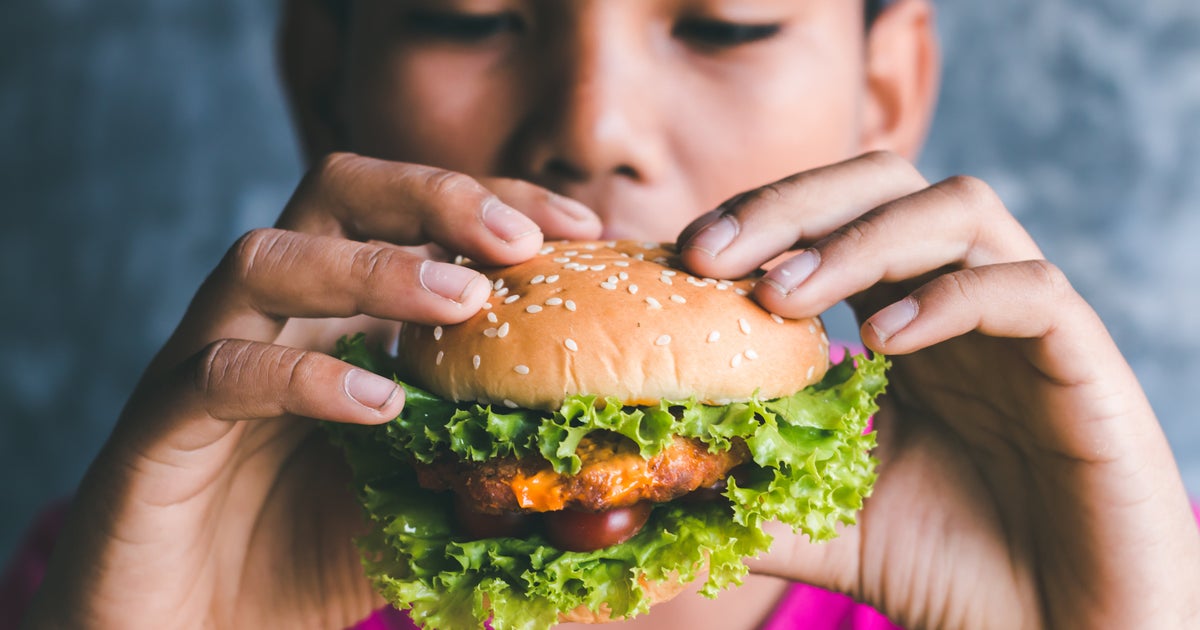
[(812, 471)]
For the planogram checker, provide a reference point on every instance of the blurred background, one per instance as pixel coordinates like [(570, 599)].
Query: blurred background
[(141, 138)]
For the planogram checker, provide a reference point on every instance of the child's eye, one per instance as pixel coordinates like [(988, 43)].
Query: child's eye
[(462, 27), (722, 34)]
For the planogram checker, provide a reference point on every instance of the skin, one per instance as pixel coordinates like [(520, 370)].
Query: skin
[(1024, 480)]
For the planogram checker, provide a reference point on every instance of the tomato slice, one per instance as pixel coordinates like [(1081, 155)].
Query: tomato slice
[(572, 530)]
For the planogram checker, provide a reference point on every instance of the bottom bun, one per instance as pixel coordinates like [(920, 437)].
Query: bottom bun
[(655, 593)]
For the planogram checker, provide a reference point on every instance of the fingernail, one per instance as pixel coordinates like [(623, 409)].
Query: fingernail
[(573, 209), (370, 390), (714, 238), (505, 222), (891, 320), (791, 273), (448, 280)]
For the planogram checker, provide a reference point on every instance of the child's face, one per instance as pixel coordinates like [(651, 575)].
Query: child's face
[(649, 111)]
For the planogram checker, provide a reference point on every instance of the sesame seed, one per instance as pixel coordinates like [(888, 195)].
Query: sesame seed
[(459, 259), (521, 369), (491, 317), (512, 298), (573, 266), (744, 325), (810, 372), (649, 245), (546, 250), (475, 361), (501, 292), (490, 333), (597, 267), (812, 329), (533, 308), (502, 331), (694, 282), (824, 339), (639, 256), (591, 247), (724, 282), (665, 279), (678, 299), (622, 263), (714, 336), (662, 260), (571, 253), (554, 301), (722, 287), (610, 244), (750, 354), (740, 291), (510, 404), (710, 280), (487, 305), (776, 318), (736, 360), (437, 333), (562, 259), (571, 345), (498, 284), (663, 340), (653, 303), (668, 272), (538, 279), (438, 360), (552, 279), (613, 279), (570, 305), (608, 285), (586, 256), (622, 276), (633, 289)]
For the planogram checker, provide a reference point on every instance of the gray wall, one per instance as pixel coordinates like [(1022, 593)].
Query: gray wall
[(140, 138)]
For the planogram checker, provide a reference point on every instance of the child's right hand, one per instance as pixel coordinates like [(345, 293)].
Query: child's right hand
[(214, 502)]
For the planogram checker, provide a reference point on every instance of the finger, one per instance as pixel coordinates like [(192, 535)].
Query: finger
[(363, 198), (1026, 299), (271, 275), (756, 226), (956, 223), (198, 401), (245, 380), (559, 217)]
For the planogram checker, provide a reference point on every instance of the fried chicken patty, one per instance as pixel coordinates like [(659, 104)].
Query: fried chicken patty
[(613, 474)]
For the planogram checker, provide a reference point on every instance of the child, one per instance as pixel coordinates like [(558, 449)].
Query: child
[(1024, 480)]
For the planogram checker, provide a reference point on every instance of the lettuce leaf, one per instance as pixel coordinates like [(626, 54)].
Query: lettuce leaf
[(812, 471)]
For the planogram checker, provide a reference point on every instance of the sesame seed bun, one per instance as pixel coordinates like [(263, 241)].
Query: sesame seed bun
[(615, 319)]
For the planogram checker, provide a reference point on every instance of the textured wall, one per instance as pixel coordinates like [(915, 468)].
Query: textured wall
[(140, 138)]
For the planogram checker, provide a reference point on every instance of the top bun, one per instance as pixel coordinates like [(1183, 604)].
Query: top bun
[(614, 319)]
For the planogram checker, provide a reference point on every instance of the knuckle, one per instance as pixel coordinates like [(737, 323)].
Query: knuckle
[(971, 192), (336, 166), (370, 263), (1051, 278), (217, 365), (454, 186), (255, 249)]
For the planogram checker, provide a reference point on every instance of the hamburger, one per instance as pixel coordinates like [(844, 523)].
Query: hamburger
[(606, 430)]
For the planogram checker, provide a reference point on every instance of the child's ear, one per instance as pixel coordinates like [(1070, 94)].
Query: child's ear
[(310, 57), (903, 68)]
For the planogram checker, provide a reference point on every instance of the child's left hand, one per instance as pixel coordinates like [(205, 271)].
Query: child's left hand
[(1024, 480)]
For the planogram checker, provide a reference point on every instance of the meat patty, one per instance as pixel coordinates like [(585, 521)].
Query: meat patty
[(613, 474)]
